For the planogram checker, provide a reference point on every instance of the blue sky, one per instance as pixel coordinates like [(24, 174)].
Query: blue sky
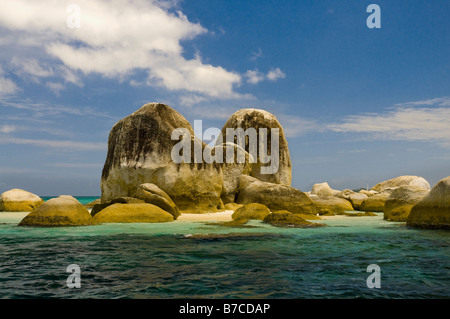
[(358, 105)]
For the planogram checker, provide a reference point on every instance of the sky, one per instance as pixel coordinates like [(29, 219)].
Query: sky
[(358, 105)]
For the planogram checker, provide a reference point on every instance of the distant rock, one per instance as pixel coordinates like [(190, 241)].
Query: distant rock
[(368, 193), (407, 180), (60, 211), (357, 199), (433, 211), (18, 200), (345, 194), (232, 206), (119, 200), (287, 219), (94, 202), (152, 194), (260, 119), (132, 213), (323, 189), (274, 196), (140, 150), (251, 211), (375, 203), (401, 201), (331, 205)]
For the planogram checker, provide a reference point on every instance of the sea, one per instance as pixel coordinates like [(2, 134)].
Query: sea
[(187, 259)]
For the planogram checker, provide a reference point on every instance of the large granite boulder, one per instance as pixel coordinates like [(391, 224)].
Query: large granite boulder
[(132, 213), (357, 199), (251, 211), (233, 170), (152, 194), (279, 169), (331, 205), (407, 180), (140, 149), (375, 203), (401, 201), (18, 200), (323, 189), (274, 196), (60, 211), (433, 211)]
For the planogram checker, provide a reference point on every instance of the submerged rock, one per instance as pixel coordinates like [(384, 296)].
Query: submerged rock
[(401, 201), (331, 205), (249, 119), (287, 219), (132, 213), (433, 211), (274, 196), (140, 149), (251, 211), (18, 200), (60, 211)]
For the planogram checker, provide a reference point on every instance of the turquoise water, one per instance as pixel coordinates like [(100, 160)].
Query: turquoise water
[(168, 260), (82, 199)]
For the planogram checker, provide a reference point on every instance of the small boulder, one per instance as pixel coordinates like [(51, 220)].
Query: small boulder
[(232, 206), (401, 201), (357, 200), (323, 189), (368, 193), (152, 194), (274, 196), (132, 213), (18, 200), (331, 205), (407, 180), (60, 211), (251, 211), (433, 211), (287, 219), (119, 200), (375, 203)]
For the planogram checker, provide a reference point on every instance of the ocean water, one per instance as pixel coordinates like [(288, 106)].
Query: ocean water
[(185, 259)]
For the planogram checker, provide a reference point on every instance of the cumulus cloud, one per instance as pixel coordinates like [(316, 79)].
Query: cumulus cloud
[(255, 76), (275, 74), (406, 122), (116, 38)]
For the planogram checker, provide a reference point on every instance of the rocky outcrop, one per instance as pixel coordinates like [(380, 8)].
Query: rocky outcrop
[(323, 189), (140, 149), (433, 211), (287, 219), (60, 211), (368, 193), (401, 201), (331, 205), (251, 211), (18, 200), (119, 200), (132, 213), (274, 196), (255, 119), (152, 194), (375, 203), (357, 199), (407, 180)]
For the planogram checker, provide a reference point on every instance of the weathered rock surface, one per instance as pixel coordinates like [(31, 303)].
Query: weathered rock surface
[(357, 199), (140, 151), (132, 213), (331, 205), (260, 119), (274, 196), (407, 180), (287, 219), (375, 203), (323, 189), (152, 194), (368, 193), (60, 211), (433, 211), (251, 211), (18, 200), (94, 202), (119, 200), (401, 201), (232, 206)]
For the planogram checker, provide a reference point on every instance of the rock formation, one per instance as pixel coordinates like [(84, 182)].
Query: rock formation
[(323, 189), (18, 200), (152, 194), (330, 205), (140, 149), (132, 213), (60, 211), (402, 181), (274, 196), (251, 211), (433, 211), (401, 201), (287, 219), (249, 119), (97, 208)]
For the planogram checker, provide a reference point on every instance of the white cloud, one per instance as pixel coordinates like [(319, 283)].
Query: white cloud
[(55, 87), (295, 126), (275, 74), (60, 144), (7, 86), (30, 67), (7, 129), (402, 123), (256, 55), (254, 76), (117, 37), (440, 101)]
